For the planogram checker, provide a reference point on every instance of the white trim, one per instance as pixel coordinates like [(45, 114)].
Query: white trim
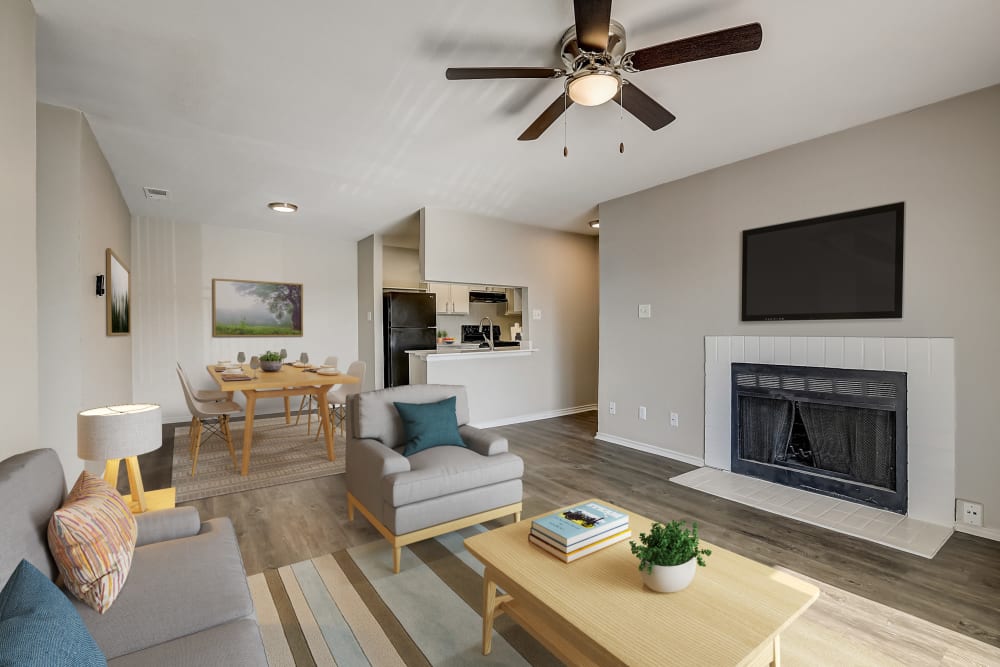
[(548, 414), (650, 449), (979, 531)]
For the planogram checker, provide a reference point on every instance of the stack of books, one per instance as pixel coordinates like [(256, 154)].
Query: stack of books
[(579, 531)]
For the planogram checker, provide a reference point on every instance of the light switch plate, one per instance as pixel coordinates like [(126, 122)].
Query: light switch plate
[(645, 311), (536, 314)]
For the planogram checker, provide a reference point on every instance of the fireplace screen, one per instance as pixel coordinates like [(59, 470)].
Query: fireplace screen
[(836, 431), (856, 443)]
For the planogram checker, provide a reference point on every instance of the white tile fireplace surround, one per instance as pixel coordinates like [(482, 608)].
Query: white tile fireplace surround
[(930, 367)]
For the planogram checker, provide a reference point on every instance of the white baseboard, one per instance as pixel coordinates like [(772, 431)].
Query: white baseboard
[(978, 531), (549, 414), (650, 449)]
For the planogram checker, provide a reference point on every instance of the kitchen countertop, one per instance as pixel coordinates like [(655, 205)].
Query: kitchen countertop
[(470, 351)]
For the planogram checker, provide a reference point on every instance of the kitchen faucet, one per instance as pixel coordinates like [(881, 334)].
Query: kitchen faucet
[(490, 339)]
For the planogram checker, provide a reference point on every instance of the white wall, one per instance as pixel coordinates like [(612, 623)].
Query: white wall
[(172, 271), (19, 332), (677, 247), (560, 273)]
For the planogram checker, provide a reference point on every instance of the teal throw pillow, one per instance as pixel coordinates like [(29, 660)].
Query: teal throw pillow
[(429, 425), (39, 626)]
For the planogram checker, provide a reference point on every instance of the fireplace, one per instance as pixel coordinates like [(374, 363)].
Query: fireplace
[(833, 431)]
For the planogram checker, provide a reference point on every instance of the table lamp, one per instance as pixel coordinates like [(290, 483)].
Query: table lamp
[(119, 432)]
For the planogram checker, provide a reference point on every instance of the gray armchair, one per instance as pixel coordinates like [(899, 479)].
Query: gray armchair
[(432, 492)]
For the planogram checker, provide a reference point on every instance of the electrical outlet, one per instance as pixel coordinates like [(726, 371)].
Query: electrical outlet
[(611, 407), (645, 311), (674, 420), (642, 412), (969, 512), (536, 314)]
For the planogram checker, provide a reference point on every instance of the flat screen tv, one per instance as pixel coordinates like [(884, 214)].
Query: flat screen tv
[(844, 266)]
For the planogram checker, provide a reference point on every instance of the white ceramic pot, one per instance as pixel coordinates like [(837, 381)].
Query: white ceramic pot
[(670, 578)]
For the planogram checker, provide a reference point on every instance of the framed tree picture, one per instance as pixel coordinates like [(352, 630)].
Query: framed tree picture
[(118, 295), (256, 308)]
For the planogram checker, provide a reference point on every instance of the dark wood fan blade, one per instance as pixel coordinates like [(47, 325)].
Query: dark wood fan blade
[(644, 107), (710, 45), (593, 23), (456, 73), (544, 121)]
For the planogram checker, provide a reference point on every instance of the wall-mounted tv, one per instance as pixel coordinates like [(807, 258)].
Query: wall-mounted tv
[(843, 266)]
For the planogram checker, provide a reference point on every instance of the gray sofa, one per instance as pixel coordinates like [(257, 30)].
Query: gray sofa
[(434, 491), (186, 600)]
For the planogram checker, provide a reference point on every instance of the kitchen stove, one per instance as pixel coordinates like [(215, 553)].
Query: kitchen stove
[(473, 333)]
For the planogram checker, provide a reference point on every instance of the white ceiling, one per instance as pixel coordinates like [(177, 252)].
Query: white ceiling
[(343, 108)]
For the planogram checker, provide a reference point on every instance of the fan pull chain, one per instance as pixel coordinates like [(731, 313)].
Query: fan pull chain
[(565, 121), (621, 117)]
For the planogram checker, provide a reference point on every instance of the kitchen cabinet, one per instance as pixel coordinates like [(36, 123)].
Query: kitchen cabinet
[(451, 299), (513, 301)]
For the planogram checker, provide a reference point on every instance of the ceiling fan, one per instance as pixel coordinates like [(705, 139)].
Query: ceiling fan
[(594, 53)]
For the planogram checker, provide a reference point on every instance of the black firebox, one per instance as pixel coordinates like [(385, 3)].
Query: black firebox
[(834, 431)]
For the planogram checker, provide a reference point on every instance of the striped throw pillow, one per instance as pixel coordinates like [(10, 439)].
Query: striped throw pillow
[(92, 538)]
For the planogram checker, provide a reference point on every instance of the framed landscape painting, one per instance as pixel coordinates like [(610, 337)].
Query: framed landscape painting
[(118, 297), (256, 308)]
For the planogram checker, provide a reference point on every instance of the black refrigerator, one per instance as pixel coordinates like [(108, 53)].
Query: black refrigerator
[(410, 323)]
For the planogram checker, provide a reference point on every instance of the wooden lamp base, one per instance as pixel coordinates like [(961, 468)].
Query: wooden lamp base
[(139, 500)]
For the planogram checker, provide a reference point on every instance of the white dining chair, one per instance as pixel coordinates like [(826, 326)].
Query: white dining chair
[(204, 394), (307, 401), (339, 393), (211, 416)]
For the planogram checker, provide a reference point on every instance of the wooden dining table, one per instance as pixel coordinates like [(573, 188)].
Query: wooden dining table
[(289, 381)]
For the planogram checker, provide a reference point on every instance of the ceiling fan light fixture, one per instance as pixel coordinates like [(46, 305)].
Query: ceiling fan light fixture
[(282, 207), (593, 87)]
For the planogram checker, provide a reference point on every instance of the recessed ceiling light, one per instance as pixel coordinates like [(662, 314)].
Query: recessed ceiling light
[(282, 207), (595, 224)]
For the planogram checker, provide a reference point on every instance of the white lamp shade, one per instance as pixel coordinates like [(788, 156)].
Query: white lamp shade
[(118, 431)]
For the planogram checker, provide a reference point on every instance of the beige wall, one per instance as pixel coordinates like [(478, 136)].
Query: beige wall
[(400, 267), (80, 213), (560, 273), (19, 332), (105, 222), (172, 270), (370, 270), (677, 247)]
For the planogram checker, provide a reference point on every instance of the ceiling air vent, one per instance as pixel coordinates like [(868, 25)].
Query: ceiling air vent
[(155, 193)]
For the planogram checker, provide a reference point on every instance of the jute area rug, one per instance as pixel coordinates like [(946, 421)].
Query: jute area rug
[(347, 608), (280, 454)]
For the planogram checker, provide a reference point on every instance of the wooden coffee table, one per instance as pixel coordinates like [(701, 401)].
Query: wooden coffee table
[(595, 611)]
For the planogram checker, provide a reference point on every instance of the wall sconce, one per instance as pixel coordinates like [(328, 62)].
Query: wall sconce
[(100, 285)]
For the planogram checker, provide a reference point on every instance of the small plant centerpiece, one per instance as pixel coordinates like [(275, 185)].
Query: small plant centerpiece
[(270, 361), (669, 555), (441, 334)]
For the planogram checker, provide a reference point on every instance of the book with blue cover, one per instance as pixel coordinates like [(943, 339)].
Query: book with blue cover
[(579, 523)]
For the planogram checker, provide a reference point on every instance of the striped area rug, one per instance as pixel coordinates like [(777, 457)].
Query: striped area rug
[(281, 453), (348, 609)]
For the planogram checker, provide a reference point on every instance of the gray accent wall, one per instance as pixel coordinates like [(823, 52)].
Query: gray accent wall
[(677, 247)]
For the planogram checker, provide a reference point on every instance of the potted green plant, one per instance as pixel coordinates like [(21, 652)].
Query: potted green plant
[(668, 555), (270, 361)]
